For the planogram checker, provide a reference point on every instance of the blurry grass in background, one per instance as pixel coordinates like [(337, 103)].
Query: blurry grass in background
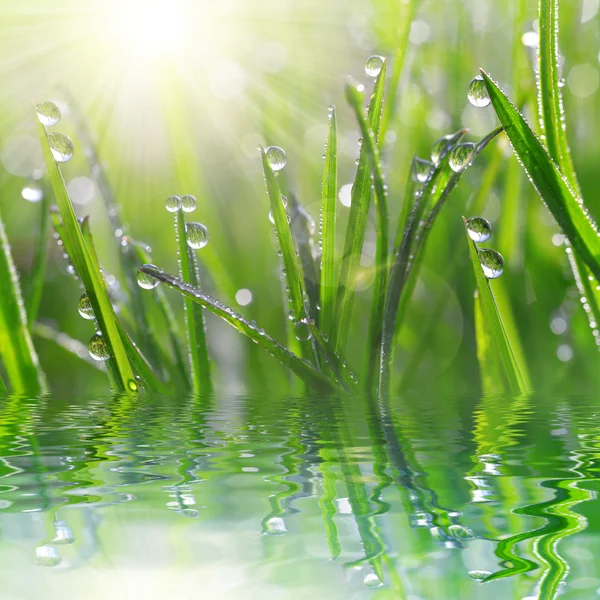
[(179, 98)]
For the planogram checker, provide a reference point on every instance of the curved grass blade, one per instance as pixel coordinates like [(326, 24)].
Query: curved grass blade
[(194, 320), (302, 368), (18, 355), (493, 334), (383, 225), (357, 222), (328, 287), (565, 205), (90, 276)]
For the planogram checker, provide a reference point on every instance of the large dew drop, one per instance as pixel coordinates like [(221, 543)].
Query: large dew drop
[(48, 113), (439, 148), (196, 235), (421, 170), (145, 280), (374, 65), (85, 307), (460, 156), (61, 146), (302, 331), (277, 157), (188, 203), (479, 229), (492, 263), (477, 92), (98, 347), (173, 204)]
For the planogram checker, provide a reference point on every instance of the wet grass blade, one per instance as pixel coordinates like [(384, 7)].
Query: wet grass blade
[(90, 276), (328, 219), (382, 241), (18, 355), (194, 322), (357, 222), (492, 334), (297, 365), (564, 204)]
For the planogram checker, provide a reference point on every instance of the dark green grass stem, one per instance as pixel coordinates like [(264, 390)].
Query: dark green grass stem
[(196, 344), (328, 218), (355, 99), (357, 223)]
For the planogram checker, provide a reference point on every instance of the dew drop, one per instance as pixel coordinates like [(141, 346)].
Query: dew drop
[(32, 193), (85, 307), (173, 204), (188, 203), (479, 575), (48, 113), (61, 146), (132, 385), (275, 526), (196, 235), (479, 229), (421, 169), (277, 157), (371, 580), (460, 156), (458, 532), (477, 92), (302, 330), (373, 65), (98, 347), (492, 263), (47, 556), (145, 280), (439, 148)]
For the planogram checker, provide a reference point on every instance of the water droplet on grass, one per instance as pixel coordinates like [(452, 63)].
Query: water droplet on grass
[(145, 280), (439, 148), (477, 92), (421, 169), (460, 156), (479, 229), (479, 575), (61, 146), (173, 204), (277, 157), (302, 331), (85, 307), (371, 580), (32, 193), (188, 203), (98, 348), (275, 526), (48, 113), (47, 556), (492, 263), (196, 235), (373, 65)]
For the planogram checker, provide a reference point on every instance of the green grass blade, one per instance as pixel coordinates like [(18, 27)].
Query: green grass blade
[(90, 276), (328, 219), (3, 389), (196, 339), (383, 226), (492, 332), (18, 355), (297, 365), (564, 204), (357, 222), (410, 195)]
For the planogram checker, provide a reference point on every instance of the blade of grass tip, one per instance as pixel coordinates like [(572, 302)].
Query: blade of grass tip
[(90, 276), (357, 222), (294, 278), (565, 205), (355, 98), (494, 333), (38, 270), (17, 352), (197, 351), (328, 219), (436, 180), (138, 361), (302, 368)]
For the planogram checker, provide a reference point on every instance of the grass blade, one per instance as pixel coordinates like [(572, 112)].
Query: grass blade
[(18, 355), (3, 390), (302, 368), (492, 333), (328, 218), (357, 222), (564, 204), (90, 276)]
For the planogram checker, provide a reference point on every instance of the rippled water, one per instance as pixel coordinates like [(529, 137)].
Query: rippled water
[(299, 498)]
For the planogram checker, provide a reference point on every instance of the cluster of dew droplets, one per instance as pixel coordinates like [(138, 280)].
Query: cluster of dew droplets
[(61, 145), (492, 262)]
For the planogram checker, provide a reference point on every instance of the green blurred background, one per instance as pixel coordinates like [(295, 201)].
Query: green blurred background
[(178, 95)]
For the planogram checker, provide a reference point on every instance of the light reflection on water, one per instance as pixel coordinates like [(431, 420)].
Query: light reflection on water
[(288, 498)]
